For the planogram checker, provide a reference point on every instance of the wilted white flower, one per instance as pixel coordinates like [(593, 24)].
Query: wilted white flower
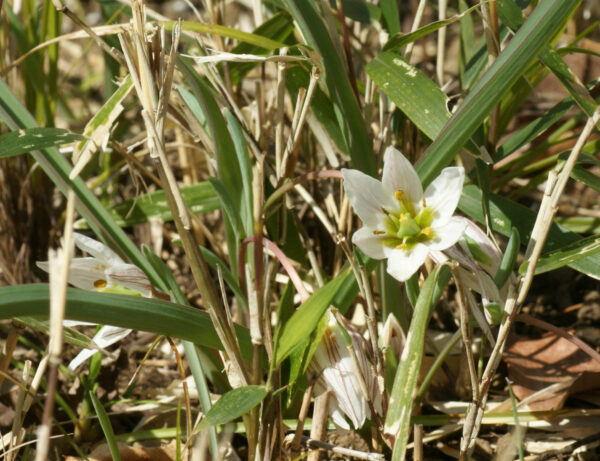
[(401, 223), (103, 271), (336, 370)]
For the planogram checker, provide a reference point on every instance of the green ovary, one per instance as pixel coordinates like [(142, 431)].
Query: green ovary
[(404, 229)]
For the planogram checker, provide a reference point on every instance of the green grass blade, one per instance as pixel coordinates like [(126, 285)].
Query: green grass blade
[(200, 198), (565, 255), (107, 428), (58, 169), (541, 26), (232, 405), (132, 312), (399, 40), (21, 141), (346, 106), (306, 318), (505, 214), (397, 422)]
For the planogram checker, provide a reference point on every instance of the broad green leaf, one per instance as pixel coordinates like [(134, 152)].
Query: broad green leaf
[(580, 224), (399, 40), (137, 313), (26, 140), (58, 169), (361, 11), (107, 428), (505, 214), (397, 422), (233, 404), (305, 319), (200, 198), (348, 113), (412, 91), (565, 255), (541, 26)]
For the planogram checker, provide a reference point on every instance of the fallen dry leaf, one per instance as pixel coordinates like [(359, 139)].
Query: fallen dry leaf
[(131, 453), (534, 364)]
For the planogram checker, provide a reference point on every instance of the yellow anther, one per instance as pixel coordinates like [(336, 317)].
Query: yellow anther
[(378, 232), (402, 246), (100, 283), (427, 232), (423, 204), (399, 194)]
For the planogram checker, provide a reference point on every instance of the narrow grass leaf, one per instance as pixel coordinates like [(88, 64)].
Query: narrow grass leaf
[(278, 28), (509, 258), (58, 170), (22, 141), (399, 40), (541, 26), (137, 313), (397, 422), (565, 255), (199, 198), (505, 214), (107, 428), (223, 31), (305, 319), (232, 405), (347, 110)]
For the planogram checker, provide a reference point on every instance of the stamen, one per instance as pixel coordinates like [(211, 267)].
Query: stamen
[(423, 204), (100, 283), (427, 232), (379, 232), (402, 246), (399, 194)]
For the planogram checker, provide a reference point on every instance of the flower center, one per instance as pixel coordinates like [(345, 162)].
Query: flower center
[(406, 228)]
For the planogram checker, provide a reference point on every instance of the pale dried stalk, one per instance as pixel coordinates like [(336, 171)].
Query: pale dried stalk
[(415, 25), (555, 186), (154, 107), (297, 437), (319, 422), (10, 344), (16, 430), (280, 106), (341, 451), (59, 275), (441, 44), (466, 331)]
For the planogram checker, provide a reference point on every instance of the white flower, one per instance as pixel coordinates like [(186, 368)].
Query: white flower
[(103, 271), (336, 370), (400, 222)]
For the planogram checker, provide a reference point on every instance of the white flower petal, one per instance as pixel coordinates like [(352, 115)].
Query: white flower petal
[(85, 272), (444, 192), (447, 234), (131, 277), (399, 174), (368, 196), (106, 336), (96, 249), (402, 263), (370, 244)]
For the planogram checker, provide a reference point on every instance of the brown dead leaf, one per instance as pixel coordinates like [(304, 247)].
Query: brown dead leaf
[(131, 453), (534, 364)]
